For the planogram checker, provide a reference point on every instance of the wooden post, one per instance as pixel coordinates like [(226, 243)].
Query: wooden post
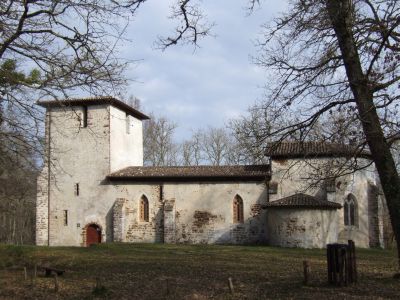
[(343, 253), (34, 274), (348, 270), (352, 261), (329, 261), (335, 266), (56, 282), (32, 280), (25, 274), (167, 287), (341, 266), (230, 283), (352, 248), (306, 271), (98, 283)]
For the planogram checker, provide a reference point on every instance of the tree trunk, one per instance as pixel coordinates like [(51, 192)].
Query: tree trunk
[(340, 13)]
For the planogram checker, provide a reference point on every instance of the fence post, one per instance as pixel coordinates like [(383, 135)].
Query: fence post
[(55, 283), (306, 270), (352, 248), (230, 283), (329, 261)]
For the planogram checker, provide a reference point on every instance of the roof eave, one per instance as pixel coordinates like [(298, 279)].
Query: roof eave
[(189, 178), (315, 156), (301, 207), (112, 101)]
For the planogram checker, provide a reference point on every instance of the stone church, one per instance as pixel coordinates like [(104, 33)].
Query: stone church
[(94, 189)]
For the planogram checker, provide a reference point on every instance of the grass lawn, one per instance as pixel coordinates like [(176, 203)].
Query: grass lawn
[(159, 271)]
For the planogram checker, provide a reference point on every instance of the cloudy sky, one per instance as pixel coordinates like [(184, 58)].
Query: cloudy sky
[(200, 87)]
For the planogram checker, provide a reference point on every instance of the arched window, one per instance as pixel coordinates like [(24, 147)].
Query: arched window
[(237, 209), (350, 211), (144, 209)]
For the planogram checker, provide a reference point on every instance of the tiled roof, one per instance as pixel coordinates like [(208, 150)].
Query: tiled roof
[(302, 201), (94, 101), (282, 150), (190, 173)]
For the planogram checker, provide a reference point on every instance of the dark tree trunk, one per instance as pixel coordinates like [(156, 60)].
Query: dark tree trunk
[(340, 13)]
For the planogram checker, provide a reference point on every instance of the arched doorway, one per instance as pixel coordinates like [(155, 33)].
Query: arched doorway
[(93, 234)]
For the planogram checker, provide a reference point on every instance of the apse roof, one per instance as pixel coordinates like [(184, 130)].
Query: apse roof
[(302, 200)]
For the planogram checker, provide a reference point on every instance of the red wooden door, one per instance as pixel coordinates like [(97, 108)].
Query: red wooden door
[(93, 234)]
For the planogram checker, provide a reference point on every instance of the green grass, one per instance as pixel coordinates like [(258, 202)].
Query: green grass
[(158, 271)]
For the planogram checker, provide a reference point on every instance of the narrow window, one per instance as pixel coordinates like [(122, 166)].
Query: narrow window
[(65, 217), (128, 123), (76, 189), (83, 117), (330, 185), (346, 213), (350, 211), (84, 121), (273, 188), (238, 209), (144, 209)]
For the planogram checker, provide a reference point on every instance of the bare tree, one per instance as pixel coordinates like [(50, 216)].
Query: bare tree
[(187, 153), (192, 150), (250, 131), (70, 46), (332, 55), (215, 145), (235, 154), (17, 192), (254, 131), (133, 101), (193, 24), (159, 146)]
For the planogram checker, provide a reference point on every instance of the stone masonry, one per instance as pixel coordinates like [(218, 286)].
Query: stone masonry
[(93, 177)]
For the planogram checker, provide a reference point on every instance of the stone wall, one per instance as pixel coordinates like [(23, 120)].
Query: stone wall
[(303, 228), (140, 231), (169, 221), (180, 212), (42, 195), (119, 219), (204, 212), (80, 160), (192, 213), (126, 144), (295, 176)]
